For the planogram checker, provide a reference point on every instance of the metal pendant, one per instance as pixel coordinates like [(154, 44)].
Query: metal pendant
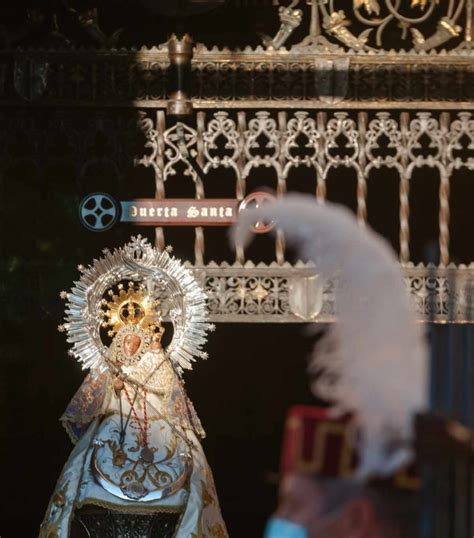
[(147, 455)]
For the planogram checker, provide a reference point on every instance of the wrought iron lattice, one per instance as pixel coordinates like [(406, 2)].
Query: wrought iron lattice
[(320, 142)]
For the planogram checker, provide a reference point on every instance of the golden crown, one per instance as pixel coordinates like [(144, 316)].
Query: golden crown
[(131, 306)]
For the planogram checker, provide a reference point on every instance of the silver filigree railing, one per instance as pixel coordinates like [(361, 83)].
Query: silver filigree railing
[(292, 293)]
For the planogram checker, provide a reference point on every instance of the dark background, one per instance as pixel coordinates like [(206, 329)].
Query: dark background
[(254, 371)]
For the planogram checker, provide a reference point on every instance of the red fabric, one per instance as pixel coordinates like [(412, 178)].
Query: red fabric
[(310, 442), (317, 443)]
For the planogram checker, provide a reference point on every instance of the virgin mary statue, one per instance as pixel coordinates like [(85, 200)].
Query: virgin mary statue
[(137, 468)]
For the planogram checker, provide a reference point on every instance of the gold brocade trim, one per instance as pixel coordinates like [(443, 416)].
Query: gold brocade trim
[(209, 498), (403, 479), (66, 425), (216, 530), (69, 418), (129, 509), (320, 436), (68, 429)]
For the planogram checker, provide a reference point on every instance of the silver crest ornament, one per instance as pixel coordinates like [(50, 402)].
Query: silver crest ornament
[(306, 295)]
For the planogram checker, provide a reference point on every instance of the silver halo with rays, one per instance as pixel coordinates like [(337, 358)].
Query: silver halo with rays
[(164, 276)]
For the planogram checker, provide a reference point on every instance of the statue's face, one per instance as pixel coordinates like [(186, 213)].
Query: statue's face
[(131, 344)]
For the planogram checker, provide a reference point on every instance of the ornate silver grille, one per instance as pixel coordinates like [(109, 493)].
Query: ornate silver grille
[(266, 293), (245, 142)]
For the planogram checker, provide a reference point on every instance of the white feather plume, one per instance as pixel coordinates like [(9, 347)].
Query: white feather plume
[(377, 355)]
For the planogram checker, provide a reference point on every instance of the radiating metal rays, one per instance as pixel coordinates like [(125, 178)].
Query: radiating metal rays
[(137, 261)]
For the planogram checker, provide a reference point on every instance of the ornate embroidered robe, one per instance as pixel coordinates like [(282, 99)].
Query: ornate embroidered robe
[(108, 467)]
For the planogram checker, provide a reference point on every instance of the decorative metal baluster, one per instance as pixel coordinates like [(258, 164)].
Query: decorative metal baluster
[(444, 192), (404, 192), (361, 172), (321, 178), (241, 186), (281, 189), (159, 178), (199, 243)]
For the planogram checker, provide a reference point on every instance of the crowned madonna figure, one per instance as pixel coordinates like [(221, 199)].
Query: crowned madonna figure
[(138, 468)]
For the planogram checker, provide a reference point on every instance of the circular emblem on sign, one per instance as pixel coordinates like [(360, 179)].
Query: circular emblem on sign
[(98, 212), (254, 201)]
